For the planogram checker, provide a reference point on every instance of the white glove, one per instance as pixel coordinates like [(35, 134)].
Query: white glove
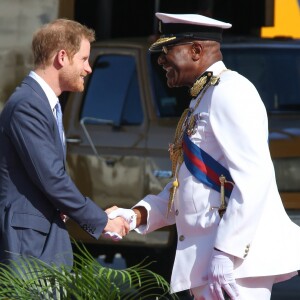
[(221, 277), (128, 214), (112, 235)]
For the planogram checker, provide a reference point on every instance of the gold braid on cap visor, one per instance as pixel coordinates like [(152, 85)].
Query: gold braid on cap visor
[(161, 41)]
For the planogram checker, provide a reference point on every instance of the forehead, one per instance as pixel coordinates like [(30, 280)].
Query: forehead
[(85, 48)]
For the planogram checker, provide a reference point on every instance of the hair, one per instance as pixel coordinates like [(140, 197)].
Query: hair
[(59, 34)]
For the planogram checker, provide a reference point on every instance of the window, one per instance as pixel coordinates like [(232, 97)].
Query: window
[(275, 72), (113, 91)]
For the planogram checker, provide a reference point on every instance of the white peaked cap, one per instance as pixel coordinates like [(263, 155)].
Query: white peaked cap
[(192, 19), (177, 27)]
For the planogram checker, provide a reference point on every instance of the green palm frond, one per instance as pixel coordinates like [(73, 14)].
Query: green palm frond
[(33, 279)]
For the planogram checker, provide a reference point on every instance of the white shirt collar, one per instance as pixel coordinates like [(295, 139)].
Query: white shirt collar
[(217, 68), (52, 98)]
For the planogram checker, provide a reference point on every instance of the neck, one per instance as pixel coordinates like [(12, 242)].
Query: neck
[(50, 78)]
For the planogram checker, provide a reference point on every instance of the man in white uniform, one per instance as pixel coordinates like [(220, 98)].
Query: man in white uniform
[(234, 236)]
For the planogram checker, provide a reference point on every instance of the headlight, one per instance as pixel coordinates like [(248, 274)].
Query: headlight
[(287, 174)]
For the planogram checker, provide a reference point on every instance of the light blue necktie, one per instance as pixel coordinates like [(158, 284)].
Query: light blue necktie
[(60, 126)]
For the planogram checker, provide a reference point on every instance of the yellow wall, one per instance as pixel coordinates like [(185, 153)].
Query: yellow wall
[(286, 20)]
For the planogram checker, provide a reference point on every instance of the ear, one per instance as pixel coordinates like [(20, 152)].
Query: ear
[(62, 57), (196, 51)]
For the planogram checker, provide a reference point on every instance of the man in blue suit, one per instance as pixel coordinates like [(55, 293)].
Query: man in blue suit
[(35, 189)]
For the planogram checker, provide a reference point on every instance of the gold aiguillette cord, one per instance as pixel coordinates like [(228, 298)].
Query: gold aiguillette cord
[(173, 189), (176, 157)]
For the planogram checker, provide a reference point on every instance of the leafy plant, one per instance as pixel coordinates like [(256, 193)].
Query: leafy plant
[(31, 278)]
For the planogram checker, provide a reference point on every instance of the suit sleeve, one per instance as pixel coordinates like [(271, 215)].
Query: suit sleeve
[(239, 123), (33, 132)]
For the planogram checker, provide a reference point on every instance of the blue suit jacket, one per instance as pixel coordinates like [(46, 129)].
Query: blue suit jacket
[(34, 185)]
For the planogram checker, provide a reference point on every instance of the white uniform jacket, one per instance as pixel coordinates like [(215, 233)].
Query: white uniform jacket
[(232, 127)]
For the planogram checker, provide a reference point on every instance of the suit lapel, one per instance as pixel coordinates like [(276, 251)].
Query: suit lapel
[(41, 95)]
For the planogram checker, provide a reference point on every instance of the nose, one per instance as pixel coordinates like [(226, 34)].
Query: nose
[(161, 59), (88, 68)]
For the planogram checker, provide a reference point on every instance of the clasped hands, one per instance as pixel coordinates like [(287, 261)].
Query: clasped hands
[(120, 222), (220, 277)]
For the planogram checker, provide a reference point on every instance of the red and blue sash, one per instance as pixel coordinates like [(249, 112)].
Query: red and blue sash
[(204, 167)]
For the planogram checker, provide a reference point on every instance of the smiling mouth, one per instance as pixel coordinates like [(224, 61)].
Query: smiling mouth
[(166, 68), (168, 71)]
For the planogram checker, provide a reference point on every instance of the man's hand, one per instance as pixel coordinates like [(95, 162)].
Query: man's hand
[(116, 229), (221, 277), (128, 214)]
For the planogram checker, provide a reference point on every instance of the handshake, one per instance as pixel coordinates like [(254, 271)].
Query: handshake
[(120, 222)]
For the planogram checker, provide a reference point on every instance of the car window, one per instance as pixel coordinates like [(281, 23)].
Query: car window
[(169, 102), (274, 71), (113, 91)]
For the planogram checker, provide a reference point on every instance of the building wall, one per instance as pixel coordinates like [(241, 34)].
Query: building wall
[(18, 21)]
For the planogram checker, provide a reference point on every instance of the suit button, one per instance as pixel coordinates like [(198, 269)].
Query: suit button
[(181, 238), (177, 212)]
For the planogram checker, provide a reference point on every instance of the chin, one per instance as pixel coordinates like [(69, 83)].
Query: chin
[(79, 88)]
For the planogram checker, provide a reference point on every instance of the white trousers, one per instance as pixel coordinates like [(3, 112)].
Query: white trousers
[(254, 288)]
